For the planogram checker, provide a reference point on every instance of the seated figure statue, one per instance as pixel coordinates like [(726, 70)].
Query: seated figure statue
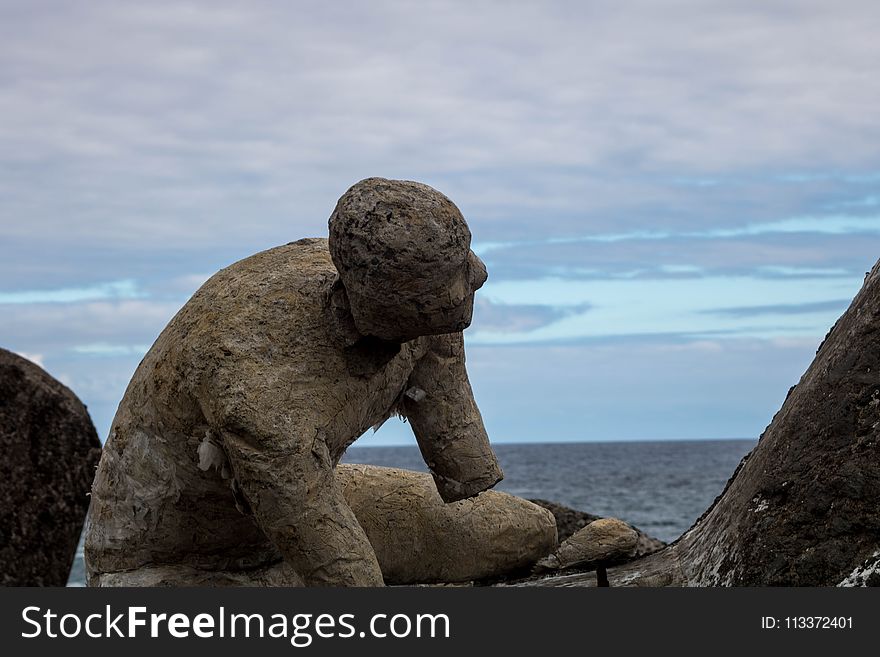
[(219, 467)]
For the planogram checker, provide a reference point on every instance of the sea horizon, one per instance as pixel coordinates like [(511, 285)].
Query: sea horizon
[(362, 443)]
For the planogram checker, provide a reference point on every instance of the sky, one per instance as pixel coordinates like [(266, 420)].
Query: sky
[(675, 201)]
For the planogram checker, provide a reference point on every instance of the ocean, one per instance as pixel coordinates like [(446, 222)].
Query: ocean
[(662, 487)]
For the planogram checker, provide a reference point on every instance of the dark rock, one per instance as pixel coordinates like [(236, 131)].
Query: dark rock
[(569, 521), (50, 451)]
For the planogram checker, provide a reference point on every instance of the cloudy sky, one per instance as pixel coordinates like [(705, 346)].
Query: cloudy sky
[(675, 200)]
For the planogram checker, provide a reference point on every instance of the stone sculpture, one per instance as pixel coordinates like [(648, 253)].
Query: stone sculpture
[(221, 457), (50, 450)]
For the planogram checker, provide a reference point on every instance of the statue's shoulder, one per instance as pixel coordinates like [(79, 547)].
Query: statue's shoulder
[(296, 266), (281, 288), (306, 257)]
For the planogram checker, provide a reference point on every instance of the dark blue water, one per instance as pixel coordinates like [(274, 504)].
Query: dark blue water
[(661, 487)]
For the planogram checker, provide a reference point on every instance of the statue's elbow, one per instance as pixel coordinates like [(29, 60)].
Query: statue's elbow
[(452, 489)]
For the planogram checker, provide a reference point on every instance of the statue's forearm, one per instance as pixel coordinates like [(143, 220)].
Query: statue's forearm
[(440, 406), (283, 473), (297, 504)]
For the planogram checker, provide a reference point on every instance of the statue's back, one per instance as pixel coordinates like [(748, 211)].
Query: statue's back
[(151, 502)]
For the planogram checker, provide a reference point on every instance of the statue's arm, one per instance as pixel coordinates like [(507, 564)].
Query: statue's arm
[(440, 406), (280, 460)]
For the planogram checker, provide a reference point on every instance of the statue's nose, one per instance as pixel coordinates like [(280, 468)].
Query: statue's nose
[(478, 273)]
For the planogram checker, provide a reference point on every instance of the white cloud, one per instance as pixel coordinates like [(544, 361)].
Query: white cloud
[(126, 289), (139, 137), (696, 307), (827, 225), (181, 286), (54, 328), (104, 349), (165, 123), (34, 358), (92, 347), (780, 270)]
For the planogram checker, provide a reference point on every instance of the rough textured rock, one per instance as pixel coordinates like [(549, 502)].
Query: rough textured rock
[(50, 450), (221, 456), (801, 508), (569, 520), (420, 539), (601, 542)]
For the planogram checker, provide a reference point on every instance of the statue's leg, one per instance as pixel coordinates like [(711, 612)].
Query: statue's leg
[(330, 547)]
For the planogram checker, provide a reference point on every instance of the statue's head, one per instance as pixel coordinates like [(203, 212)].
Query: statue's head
[(402, 250)]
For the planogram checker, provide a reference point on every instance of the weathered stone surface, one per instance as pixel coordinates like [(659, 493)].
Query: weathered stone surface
[(420, 539), (801, 508), (50, 450), (569, 520), (603, 541), (221, 456), (403, 254)]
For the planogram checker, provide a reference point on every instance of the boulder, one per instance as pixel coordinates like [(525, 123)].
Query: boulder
[(420, 539), (569, 520), (602, 542), (50, 451)]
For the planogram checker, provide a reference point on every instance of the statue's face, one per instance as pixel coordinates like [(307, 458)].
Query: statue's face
[(455, 313), (446, 308)]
